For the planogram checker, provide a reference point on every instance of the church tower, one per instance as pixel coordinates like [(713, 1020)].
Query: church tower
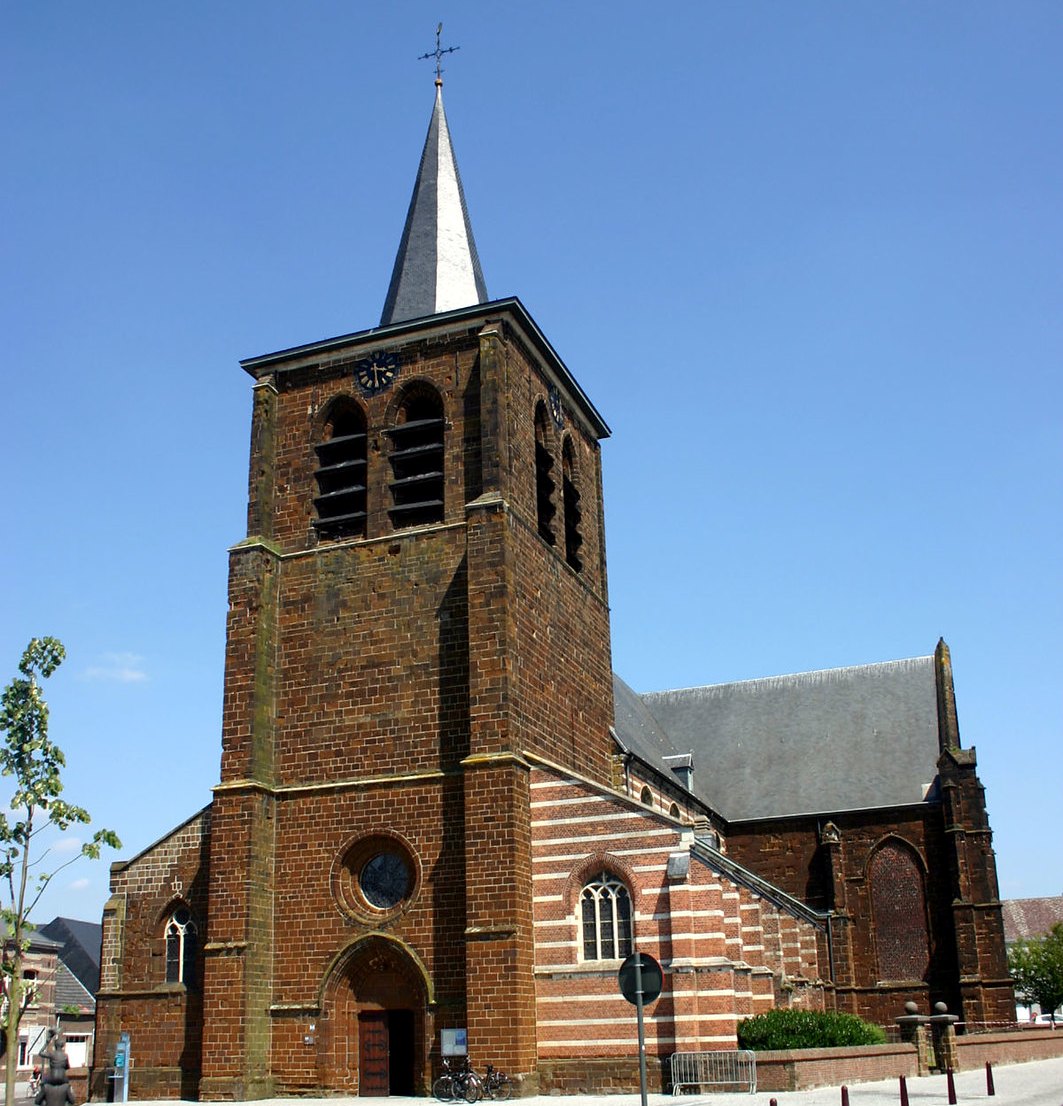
[(417, 617)]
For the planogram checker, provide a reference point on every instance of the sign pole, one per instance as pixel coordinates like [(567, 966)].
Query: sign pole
[(642, 1027)]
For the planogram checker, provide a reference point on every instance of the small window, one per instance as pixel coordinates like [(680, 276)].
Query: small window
[(181, 946), (30, 984), (341, 473), (646, 796), (606, 910), (417, 462), (573, 513), (544, 481), (673, 810)]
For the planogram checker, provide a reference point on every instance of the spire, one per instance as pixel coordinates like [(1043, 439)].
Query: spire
[(437, 268)]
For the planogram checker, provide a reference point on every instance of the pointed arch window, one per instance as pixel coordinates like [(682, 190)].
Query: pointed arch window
[(182, 946), (605, 907), (898, 909), (544, 481), (341, 471), (573, 513), (417, 461)]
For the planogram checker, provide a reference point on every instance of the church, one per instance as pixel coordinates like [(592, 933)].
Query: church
[(441, 817)]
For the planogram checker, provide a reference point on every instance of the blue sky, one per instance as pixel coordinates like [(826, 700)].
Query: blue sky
[(804, 257)]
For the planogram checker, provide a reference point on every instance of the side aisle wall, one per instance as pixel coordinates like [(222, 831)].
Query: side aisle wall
[(164, 1020), (726, 952)]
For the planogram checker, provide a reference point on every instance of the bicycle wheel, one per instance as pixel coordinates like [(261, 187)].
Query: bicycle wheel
[(473, 1090), (502, 1089), (443, 1088)]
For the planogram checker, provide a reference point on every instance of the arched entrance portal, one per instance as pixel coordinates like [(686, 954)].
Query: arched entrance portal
[(374, 1006)]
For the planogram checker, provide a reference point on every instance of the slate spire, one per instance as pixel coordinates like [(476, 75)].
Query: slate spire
[(437, 268)]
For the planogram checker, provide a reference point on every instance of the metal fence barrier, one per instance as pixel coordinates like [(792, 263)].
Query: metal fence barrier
[(734, 1070)]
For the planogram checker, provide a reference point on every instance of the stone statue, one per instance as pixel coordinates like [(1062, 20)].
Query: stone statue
[(55, 1087)]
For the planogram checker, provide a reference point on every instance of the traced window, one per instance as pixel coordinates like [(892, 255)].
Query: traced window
[(646, 796), (673, 810), (544, 481), (341, 472), (606, 909), (181, 945), (417, 461), (573, 514), (898, 908)]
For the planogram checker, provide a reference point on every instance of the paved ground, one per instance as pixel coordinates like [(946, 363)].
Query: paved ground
[(1037, 1084)]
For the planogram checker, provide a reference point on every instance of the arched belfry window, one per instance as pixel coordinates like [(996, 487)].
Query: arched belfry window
[(417, 461), (544, 481), (182, 945), (605, 907), (340, 475), (573, 514), (898, 909)]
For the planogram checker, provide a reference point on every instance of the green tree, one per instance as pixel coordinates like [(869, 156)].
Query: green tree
[(34, 764), (1037, 967)]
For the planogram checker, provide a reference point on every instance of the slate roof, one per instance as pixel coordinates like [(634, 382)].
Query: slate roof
[(854, 738), (69, 991), (437, 267), (1030, 917), (80, 950)]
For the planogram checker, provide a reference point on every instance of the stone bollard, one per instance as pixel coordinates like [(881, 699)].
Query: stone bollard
[(912, 1026), (943, 1031)]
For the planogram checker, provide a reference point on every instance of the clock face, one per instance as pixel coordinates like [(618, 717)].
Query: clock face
[(385, 880), (556, 408), (376, 372)]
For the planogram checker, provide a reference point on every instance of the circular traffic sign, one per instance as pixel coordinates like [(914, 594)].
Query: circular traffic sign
[(652, 978)]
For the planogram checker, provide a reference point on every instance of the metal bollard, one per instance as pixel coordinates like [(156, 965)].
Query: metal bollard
[(989, 1088), (951, 1083), (904, 1091), (773, 1102), (845, 1095)]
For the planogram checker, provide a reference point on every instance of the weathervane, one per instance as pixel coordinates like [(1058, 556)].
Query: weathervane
[(438, 54)]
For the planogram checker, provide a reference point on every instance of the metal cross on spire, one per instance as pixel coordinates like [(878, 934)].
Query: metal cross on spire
[(438, 53)]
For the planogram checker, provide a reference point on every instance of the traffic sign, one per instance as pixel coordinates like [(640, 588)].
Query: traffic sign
[(640, 964)]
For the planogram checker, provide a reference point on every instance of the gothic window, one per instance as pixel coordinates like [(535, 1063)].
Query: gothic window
[(606, 913), (544, 481), (573, 514), (181, 946), (898, 909), (646, 796), (341, 472), (673, 810), (417, 461)]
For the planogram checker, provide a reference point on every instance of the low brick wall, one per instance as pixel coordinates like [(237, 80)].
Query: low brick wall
[(618, 1075), (800, 1068), (1014, 1047)]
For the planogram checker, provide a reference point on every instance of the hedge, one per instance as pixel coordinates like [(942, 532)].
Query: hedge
[(783, 1029)]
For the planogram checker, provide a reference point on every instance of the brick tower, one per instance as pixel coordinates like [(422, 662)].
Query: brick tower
[(417, 617)]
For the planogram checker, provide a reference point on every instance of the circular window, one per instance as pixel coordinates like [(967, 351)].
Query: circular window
[(384, 880), (374, 876)]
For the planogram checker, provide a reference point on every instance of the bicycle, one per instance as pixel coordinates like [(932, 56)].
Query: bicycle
[(461, 1084), (497, 1084)]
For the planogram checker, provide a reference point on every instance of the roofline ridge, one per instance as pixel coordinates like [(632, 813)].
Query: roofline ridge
[(789, 676)]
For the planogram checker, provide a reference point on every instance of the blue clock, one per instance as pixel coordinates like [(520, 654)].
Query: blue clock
[(556, 408), (376, 372)]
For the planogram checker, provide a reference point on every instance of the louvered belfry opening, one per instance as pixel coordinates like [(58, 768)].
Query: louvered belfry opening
[(417, 462), (573, 513), (544, 481), (340, 476)]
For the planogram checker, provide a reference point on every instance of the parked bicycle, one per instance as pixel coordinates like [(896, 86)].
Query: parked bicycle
[(465, 1083)]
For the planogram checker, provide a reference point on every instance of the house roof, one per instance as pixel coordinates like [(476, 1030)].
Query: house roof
[(437, 267), (80, 950), (1024, 918), (69, 991), (854, 738)]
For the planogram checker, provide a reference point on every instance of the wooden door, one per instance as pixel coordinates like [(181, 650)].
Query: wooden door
[(373, 1078)]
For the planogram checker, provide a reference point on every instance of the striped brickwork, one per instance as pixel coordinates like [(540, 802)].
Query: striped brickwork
[(727, 952)]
